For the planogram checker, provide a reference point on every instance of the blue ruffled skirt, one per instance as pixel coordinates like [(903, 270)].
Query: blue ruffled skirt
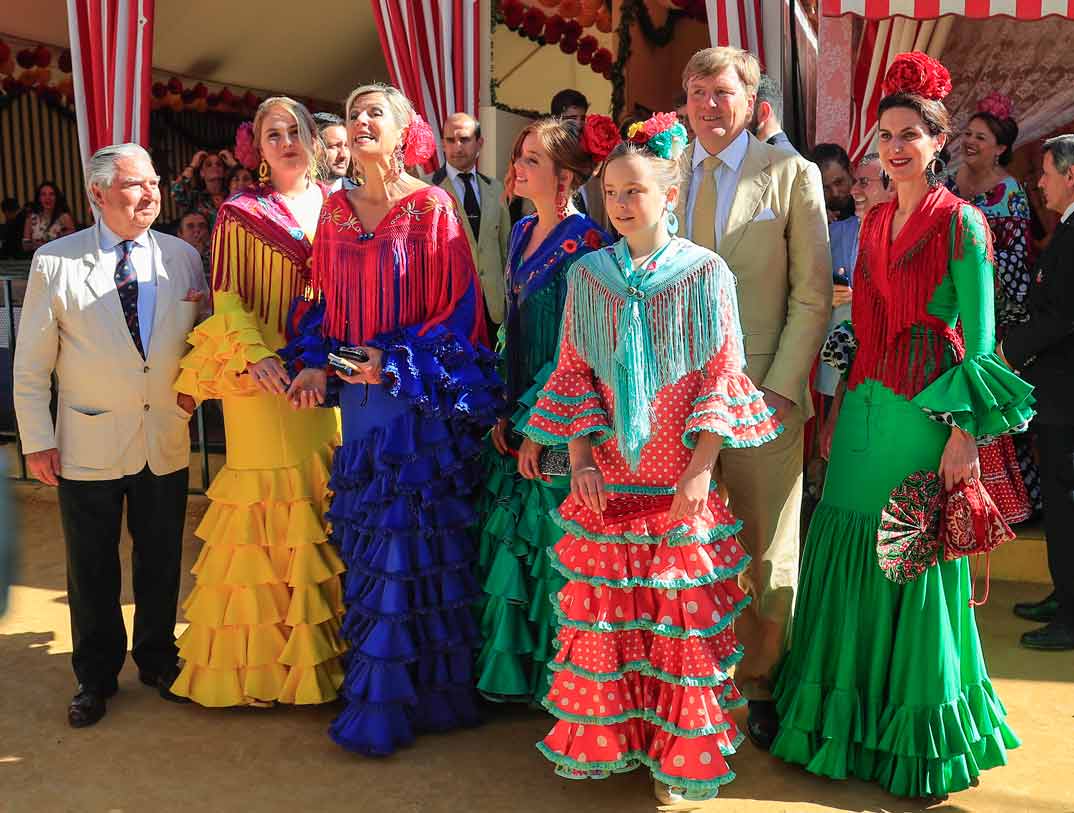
[(403, 482)]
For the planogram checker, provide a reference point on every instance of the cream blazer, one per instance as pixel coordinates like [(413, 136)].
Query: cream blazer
[(116, 411)]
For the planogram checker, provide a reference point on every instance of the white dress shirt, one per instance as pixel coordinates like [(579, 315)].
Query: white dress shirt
[(460, 184), (141, 257), (727, 177), (1067, 214)]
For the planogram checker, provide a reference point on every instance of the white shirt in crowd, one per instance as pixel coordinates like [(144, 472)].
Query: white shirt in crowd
[(727, 177), (141, 257), (1067, 214), (460, 184)]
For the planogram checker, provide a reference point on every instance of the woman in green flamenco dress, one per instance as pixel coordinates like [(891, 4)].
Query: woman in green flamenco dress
[(549, 162), (886, 682)]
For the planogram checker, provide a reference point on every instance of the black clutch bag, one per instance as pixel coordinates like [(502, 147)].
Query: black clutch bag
[(552, 462)]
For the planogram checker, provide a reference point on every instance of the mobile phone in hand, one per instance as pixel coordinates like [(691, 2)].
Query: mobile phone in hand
[(342, 365)]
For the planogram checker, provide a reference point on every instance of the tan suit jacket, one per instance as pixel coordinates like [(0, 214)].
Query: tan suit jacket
[(776, 244), (117, 411), (598, 213), (490, 250)]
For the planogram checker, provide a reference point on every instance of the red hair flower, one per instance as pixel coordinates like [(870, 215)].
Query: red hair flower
[(419, 142), (996, 104), (570, 246), (919, 74), (599, 136), (593, 239)]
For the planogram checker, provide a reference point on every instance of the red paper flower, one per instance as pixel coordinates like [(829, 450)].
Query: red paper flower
[(420, 142), (553, 29), (160, 90), (568, 45), (5, 51), (919, 74), (996, 104), (65, 60), (602, 60), (227, 97), (513, 12), (200, 91), (593, 239), (599, 136), (42, 56), (249, 98), (570, 246), (174, 85), (25, 58), (533, 22), (572, 28)]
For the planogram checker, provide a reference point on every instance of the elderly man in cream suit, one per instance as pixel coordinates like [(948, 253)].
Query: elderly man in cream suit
[(762, 209), (108, 310), (479, 200)]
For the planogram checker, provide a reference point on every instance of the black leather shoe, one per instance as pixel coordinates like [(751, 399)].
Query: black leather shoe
[(163, 684), (762, 723), (1053, 637), (87, 707), (1043, 612)]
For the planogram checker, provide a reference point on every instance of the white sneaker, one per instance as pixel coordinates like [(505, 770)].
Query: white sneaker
[(664, 794)]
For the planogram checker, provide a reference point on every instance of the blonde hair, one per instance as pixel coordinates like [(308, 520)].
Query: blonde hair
[(402, 108), (711, 61), (561, 140), (307, 129), (668, 172)]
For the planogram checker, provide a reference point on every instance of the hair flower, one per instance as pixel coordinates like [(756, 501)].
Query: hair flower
[(661, 134), (419, 142), (245, 149), (919, 74), (599, 136), (996, 104)]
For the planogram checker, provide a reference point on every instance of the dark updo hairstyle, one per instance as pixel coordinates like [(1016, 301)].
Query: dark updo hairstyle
[(1005, 131), (932, 111), (561, 140)]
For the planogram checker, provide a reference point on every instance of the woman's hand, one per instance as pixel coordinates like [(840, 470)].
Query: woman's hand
[(369, 372), (691, 494), (308, 389), (587, 483), (529, 460), (227, 158), (841, 295), (269, 374), (959, 461), (499, 436)]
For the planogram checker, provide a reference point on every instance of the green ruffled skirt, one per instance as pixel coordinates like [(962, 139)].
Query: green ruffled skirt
[(884, 682), (517, 615)]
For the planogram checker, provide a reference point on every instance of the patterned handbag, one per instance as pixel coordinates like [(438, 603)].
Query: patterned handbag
[(971, 523), (907, 539)]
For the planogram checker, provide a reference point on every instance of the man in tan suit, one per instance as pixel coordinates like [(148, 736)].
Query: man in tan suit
[(479, 200), (108, 309), (762, 209)]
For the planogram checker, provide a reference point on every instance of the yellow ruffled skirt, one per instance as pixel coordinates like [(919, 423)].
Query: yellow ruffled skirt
[(266, 607)]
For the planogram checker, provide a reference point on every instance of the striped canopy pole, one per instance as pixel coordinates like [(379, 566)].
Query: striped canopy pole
[(111, 63), (736, 23), (431, 47)]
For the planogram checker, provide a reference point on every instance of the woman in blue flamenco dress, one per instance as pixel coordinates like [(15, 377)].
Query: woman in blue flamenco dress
[(394, 275), (518, 624)]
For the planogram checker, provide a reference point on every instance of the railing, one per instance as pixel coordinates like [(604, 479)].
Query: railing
[(12, 273)]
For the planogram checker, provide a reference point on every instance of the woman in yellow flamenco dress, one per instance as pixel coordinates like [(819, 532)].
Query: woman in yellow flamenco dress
[(265, 610)]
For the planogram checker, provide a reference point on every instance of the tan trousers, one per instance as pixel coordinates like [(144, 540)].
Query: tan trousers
[(764, 489)]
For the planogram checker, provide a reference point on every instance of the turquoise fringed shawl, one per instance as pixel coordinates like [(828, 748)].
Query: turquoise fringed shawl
[(642, 330)]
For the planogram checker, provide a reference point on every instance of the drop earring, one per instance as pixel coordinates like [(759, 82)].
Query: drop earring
[(561, 203), (264, 172), (673, 220)]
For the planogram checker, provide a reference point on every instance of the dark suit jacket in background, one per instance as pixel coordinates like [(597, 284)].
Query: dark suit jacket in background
[(780, 140), (1041, 350)]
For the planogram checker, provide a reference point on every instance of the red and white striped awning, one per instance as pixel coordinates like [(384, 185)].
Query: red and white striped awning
[(736, 23), (931, 9)]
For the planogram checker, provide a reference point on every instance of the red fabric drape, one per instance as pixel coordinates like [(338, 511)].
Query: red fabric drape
[(111, 59), (432, 54)]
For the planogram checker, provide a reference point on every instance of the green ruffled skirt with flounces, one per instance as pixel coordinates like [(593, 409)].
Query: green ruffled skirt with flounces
[(884, 682), (517, 616)]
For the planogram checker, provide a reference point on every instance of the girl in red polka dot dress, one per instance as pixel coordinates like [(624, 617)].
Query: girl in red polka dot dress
[(648, 386)]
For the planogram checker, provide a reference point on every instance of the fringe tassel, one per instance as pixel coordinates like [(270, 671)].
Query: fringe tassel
[(640, 345)]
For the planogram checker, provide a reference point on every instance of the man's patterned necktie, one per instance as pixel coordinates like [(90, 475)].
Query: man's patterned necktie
[(127, 285)]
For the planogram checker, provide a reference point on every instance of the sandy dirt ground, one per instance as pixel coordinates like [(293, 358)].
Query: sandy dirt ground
[(149, 755)]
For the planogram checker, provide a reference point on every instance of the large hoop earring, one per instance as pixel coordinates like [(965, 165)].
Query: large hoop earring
[(264, 171), (934, 170)]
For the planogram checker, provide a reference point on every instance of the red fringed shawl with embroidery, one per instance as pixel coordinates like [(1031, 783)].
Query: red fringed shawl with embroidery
[(413, 269), (254, 236), (900, 344)]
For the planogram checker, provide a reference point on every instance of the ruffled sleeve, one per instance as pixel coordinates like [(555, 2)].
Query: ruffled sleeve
[(729, 405), (981, 395), (221, 348), (569, 406)]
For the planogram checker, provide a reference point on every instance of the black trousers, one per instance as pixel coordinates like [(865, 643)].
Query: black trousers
[(92, 514), (1056, 447)]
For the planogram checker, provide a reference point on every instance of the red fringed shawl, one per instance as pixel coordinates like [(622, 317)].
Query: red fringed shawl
[(413, 269), (900, 344), (254, 228)]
